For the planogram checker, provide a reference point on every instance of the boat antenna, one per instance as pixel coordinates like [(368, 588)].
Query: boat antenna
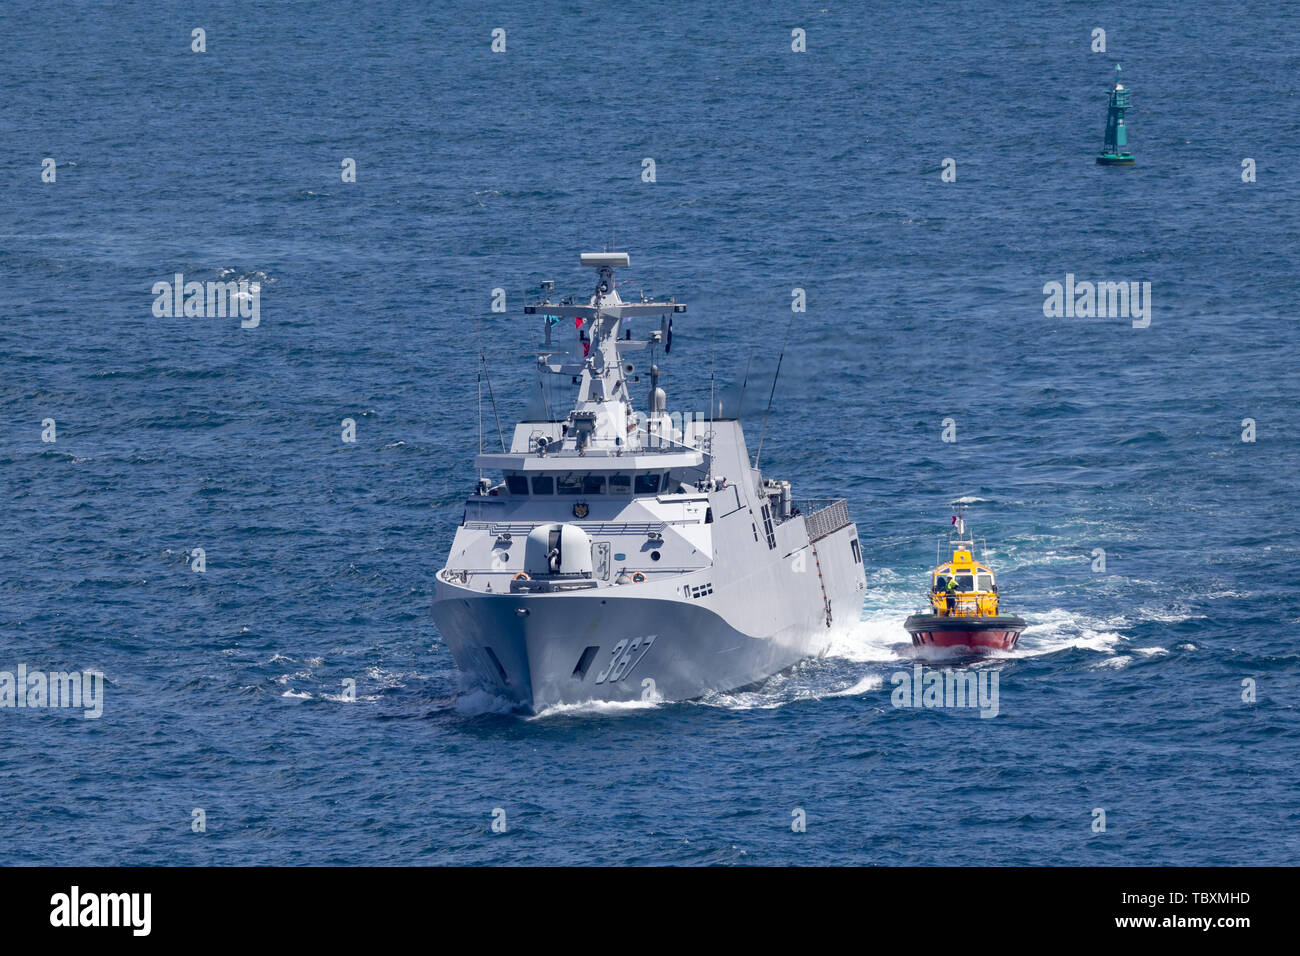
[(740, 407), (532, 340), (713, 365), (781, 358), (487, 375), (478, 376), (959, 522)]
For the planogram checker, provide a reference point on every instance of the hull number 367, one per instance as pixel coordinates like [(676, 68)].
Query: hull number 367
[(623, 659)]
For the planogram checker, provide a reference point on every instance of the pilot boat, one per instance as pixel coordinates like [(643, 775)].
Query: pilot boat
[(616, 552), (963, 602)]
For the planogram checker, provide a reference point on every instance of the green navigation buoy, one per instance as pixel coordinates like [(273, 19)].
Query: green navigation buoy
[(1115, 150)]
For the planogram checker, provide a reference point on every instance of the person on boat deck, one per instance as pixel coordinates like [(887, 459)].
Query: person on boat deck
[(950, 592)]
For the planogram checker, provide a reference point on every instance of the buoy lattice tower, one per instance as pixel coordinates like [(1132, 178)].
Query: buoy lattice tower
[(1114, 151)]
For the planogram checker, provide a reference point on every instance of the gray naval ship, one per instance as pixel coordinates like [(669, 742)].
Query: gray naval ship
[(620, 553)]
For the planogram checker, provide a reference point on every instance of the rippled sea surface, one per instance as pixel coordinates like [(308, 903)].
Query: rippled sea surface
[(774, 170)]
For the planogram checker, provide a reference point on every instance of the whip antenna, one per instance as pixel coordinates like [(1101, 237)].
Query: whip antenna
[(781, 358), (488, 377)]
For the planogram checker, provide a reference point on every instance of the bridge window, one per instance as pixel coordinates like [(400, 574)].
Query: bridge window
[(620, 484), (593, 484), (568, 485), (543, 485), (517, 484), (986, 582), (647, 484), (965, 582)]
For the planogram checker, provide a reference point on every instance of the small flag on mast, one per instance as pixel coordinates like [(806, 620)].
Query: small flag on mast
[(959, 523)]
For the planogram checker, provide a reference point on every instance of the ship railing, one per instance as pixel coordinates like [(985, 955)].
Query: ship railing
[(823, 516), (618, 451), (964, 607), (609, 447), (650, 529), (469, 575)]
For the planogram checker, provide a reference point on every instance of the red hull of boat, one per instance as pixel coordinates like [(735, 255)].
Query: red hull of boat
[(992, 633), (998, 640)]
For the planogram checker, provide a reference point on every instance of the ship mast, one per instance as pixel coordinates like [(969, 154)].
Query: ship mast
[(603, 411), (960, 538)]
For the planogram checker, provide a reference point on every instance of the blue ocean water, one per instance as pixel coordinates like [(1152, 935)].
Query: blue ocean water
[(774, 170)]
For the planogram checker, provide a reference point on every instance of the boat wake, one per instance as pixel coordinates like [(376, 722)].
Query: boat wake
[(812, 680), (859, 660)]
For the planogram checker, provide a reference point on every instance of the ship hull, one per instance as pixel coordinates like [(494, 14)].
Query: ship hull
[(541, 650), (1000, 633)]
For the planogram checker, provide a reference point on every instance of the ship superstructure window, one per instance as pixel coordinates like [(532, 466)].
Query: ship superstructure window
[(965, 582), (592, 484), (517, 484), (986, 582)]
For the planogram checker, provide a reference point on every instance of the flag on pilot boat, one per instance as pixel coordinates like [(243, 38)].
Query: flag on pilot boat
[(959, 523)]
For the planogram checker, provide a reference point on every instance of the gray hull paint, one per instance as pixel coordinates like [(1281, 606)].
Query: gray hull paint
[(645, 648)]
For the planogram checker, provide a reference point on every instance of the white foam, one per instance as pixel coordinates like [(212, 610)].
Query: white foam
[(804, 682), (597, 708), (1118, 662), (1060, 630), (473, 703), (866, 685), (878, 635), (1174, 615)]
